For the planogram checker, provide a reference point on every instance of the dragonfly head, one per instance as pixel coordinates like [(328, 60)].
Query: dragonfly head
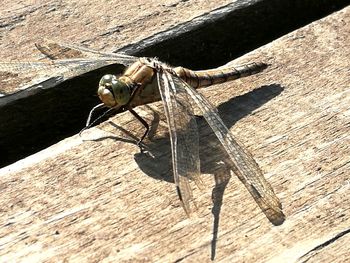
[(112, 91)]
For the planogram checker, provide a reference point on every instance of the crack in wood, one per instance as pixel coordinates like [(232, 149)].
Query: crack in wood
[(317, 249)]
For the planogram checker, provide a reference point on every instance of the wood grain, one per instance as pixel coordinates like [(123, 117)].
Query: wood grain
[(103, 200), (103, 25)]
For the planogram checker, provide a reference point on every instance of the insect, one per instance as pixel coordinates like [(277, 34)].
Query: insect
[(147, 80)]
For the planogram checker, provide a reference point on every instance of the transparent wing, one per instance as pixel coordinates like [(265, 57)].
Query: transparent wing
[(54, 51), (242, 162), (184, 138), (16, 76), (62, 62)]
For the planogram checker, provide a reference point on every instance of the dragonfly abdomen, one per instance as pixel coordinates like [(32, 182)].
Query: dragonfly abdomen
[(203, 78)]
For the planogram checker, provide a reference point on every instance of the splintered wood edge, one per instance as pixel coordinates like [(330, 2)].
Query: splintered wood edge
[(100, 199)]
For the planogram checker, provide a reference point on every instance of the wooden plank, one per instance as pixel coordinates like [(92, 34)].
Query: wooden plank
[(104, 24), (102, 199)]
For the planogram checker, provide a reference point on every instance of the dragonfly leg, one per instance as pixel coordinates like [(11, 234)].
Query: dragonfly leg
[(144, 123)]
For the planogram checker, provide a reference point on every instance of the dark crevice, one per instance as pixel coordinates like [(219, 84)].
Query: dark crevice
[(311, 252), (229, 32), (35, 122)]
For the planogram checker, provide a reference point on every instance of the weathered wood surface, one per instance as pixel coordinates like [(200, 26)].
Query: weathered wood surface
[(104, 24), (103, 200)]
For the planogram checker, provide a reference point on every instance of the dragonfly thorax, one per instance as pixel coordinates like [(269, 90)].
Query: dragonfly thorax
[(113, 91)]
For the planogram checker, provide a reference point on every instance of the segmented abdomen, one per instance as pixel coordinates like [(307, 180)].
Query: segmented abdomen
[(203, 78)]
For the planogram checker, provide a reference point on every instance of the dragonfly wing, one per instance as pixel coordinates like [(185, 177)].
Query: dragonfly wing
[(68, 64), (65, 62), (183, 136), (241, 160), (54, 51), (18, 76), (22, 75)]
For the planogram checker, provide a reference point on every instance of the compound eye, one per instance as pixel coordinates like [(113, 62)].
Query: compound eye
[(107, 79), (105, 91), (113, 92), (121, 92)]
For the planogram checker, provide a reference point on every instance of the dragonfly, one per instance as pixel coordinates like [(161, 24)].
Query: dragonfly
[(147, 80)]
